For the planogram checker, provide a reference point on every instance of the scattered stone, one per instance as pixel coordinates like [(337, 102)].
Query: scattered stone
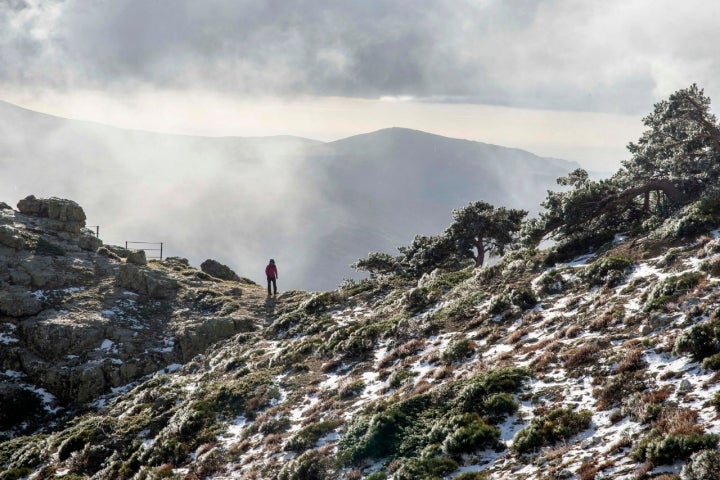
[(645, 329), (218, 270), (685, 386), (5, 206)]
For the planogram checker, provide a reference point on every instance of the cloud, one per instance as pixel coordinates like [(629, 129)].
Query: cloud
[(616, 55)]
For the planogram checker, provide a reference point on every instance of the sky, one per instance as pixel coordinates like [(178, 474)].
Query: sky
[(563, 78)]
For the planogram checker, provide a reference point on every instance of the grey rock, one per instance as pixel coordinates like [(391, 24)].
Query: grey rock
[(89, 242), (11, 237), (685, 386), (218, 270), (64, 215), (137, 257), (19, 303), (146, 281), (645, 329)]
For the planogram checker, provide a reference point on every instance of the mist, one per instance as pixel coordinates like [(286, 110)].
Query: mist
[(314, 207)]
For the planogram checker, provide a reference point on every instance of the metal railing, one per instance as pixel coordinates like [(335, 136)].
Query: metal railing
[(160, 249)]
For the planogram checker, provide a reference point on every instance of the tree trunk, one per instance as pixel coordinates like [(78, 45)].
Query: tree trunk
[(480, 258)]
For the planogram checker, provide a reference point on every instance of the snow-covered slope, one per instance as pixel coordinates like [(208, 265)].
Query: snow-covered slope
[(604, 367)]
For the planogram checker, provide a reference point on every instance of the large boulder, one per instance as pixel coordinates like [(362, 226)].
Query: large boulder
[(64, 215), (218, 270), (146, 281)]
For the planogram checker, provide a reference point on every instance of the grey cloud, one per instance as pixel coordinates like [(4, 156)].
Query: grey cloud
[(612, 56)]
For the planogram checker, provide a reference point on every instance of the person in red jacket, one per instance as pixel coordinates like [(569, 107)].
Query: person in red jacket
[(272, 275)]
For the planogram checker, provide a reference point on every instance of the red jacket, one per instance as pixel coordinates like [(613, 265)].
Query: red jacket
[(271, 271)]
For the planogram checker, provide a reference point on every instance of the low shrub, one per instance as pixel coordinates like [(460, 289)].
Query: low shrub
[(308, 436), (668, 449), (557, 425), (551, 282), (469, 433), (427, 468), (609, 271), (701, 341), (312, 465), (671, 288), (702, 465), (712, 362), (523, 298), (457, 350), (499, 405)]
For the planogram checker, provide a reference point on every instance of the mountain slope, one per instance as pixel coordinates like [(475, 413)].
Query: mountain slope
[(256, 198), (604, 367)]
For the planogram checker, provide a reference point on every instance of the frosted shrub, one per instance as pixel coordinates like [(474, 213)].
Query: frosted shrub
[(702, 465)]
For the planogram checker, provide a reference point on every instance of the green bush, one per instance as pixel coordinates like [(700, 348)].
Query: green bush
[(433, 468), (417, 299), (499, 304), (701, 341), (398, 377), (457, 350), (671, 448), (608, 271), (551, 282), (499, 405), (523, 298), (307, 437), (671, 288), (703, 465), (558, 425), (471, 433), (478, 389), (389, 432), (712, 362), (15, 473), (699, 218), (311, 465)]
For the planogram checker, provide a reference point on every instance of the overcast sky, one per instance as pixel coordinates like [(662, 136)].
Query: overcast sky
[(565, 78)]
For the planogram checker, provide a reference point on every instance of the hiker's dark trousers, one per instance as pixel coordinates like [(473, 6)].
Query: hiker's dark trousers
[(272, 282)]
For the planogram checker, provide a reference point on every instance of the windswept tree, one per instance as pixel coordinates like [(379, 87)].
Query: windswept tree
[(480, 229), (679, 153)]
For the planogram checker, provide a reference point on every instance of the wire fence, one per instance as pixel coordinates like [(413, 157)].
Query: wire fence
[(158, 248)]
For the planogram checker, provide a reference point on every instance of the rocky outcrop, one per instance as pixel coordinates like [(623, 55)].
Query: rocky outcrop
[(146, 281), (64, 215), (218, 270)]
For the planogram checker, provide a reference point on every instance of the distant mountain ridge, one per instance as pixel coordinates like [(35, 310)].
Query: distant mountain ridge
[(316, 207)]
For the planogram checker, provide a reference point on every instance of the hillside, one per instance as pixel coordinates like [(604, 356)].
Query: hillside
[(601, 367), (255, 198)]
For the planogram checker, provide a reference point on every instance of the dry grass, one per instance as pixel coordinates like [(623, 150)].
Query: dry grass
[(572, 331), (588, 470), (583, 354), (632, 360), (657, 396), (353, 475), (678, 421), (443, 372), (643, 469), (515, 336)]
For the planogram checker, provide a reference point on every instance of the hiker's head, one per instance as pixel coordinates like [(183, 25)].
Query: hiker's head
[(272, 261)]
